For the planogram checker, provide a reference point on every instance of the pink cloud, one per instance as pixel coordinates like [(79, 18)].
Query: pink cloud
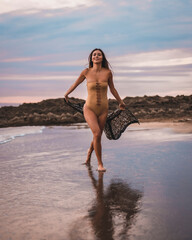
[(24, 59)]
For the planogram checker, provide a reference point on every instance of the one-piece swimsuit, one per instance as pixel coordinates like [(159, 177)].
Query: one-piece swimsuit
[(97, 97)]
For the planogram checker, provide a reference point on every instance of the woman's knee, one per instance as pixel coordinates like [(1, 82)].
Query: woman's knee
[(97, 134)]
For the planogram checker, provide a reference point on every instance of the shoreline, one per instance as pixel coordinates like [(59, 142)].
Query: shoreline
[(178, 127)]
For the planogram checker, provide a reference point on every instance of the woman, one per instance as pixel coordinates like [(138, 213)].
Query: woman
[(95, 110)]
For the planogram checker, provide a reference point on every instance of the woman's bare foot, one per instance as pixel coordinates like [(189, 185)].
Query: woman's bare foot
[(101, 169), (89, 153), (88, 161)]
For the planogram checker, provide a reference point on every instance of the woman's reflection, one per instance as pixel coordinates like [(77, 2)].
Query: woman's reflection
[(113, 210), (100, 213), (111, 214)]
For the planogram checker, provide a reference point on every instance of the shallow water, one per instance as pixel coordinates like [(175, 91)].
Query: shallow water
[(10, 133), (145, 194)]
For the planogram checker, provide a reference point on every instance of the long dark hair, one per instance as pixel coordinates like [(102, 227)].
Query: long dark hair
[(105, 63)]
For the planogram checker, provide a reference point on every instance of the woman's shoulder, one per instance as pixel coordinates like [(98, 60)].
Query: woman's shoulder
[(109, 72), (85, 71)]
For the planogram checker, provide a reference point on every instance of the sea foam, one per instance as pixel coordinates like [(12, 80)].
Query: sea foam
[(10, 133)]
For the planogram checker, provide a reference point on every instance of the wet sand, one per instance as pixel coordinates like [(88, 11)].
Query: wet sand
[(179, 127), (46, 193)]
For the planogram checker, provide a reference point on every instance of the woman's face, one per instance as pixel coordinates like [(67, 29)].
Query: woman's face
[(97, 57)]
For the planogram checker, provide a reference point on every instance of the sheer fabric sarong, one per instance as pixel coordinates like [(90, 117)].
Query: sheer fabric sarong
[(116, 123)]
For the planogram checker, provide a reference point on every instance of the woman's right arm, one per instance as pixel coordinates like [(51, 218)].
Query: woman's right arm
[(79, 80)]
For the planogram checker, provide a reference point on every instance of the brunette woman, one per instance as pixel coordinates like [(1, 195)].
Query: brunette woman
[(95, 110)]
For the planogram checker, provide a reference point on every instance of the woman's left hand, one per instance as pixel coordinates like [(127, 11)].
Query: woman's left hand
[(66, 97), (122, 105)]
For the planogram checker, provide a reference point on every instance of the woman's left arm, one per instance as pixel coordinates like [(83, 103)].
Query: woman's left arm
[(114, 92)]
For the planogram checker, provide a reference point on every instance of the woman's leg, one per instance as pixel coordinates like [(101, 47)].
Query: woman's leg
[(102, 120), (89, 153), (95, 123)]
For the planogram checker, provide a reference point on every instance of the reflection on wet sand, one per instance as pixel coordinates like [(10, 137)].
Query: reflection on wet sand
[(112, 212)]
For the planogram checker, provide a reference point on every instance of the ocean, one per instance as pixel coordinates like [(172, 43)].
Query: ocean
[(46, 192)]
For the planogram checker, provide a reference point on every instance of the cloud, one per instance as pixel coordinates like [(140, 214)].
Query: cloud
[(108, 25), (67, 63), (146, 42), (163, 58), (135, 74), (33, 6), (167, 63), (36, 77), (23, 59)]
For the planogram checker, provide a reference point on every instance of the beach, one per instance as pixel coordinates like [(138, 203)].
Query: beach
[(47, 194)]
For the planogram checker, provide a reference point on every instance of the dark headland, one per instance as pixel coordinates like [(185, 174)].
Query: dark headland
[(56, 112)]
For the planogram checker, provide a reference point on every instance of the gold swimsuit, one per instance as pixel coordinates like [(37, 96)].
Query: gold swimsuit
[(97, 97)]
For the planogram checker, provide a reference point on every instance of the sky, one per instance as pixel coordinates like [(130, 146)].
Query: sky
[(44, 46)]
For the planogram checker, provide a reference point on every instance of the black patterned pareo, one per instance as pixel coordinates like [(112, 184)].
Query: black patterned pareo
[(116, 122)]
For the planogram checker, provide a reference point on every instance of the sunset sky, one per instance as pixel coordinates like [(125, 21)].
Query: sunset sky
[(44, 45)]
